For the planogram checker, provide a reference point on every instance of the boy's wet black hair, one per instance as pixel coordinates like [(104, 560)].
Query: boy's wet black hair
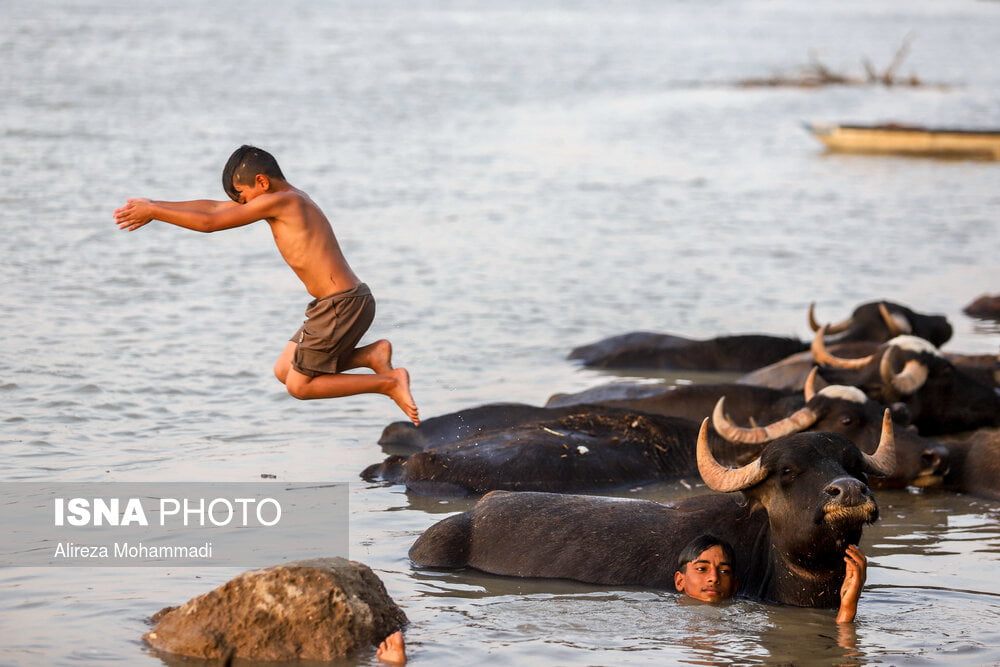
[(698, 545), (244, 164)]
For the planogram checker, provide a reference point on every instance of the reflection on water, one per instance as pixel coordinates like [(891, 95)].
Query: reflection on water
[(513, 180), (986, 327)]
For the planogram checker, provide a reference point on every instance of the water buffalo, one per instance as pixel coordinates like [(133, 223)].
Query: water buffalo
[(697, 401), (646, 350), (985, 368), (941, 397), (880, 321), (627, 442), (574, 449), (603, 394), (799, 505), (452, 427), (872, 322), (691, 401), (846, 410), (985, 307), (975, 463), (791, 372)]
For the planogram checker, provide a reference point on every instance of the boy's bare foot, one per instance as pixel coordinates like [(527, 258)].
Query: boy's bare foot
[(392, 649), (401, 394)]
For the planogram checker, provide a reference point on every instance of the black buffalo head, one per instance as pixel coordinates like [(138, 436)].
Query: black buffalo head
[(814, 487), (846, 410), (940, 397), (880, 321)]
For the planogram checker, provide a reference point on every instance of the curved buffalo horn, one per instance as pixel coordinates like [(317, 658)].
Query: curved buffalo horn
[(800, 420), (831, 328), (883, 461), (909, 380), (912, 377), (720, 478), (822, 356), (809, 388), (891, 322)]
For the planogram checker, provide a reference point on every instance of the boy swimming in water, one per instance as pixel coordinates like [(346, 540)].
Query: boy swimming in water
[(313, 362), (705, 572), (392, 650)]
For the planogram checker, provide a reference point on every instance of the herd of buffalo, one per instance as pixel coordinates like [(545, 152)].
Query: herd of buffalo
[(790, 452)]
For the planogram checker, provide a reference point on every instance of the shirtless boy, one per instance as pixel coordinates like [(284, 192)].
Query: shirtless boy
[(705, 572), (312, 364)]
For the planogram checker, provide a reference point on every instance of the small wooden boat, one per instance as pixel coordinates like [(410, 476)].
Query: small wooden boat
[(908, 140)]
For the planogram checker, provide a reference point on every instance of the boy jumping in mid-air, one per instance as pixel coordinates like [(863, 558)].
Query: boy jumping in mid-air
[(312, 364)]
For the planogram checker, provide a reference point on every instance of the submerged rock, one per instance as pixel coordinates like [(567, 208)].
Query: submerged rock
[(320, 609)]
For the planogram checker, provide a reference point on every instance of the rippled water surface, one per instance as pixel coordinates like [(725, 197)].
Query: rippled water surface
[(512, 179)]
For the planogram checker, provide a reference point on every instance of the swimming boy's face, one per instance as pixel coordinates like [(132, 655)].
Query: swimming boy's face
[(708, 578), (248, 193)]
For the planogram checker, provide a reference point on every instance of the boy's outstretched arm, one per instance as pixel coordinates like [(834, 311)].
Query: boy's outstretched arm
[(854, 581), (202, 215)]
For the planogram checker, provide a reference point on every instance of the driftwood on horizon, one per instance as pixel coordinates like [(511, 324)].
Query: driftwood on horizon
[(817, 74)]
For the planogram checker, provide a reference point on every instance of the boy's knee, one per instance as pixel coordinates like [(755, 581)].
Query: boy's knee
[(281, 368), (296, 386), (284, 362)]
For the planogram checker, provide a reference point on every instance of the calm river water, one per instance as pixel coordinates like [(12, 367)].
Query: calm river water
[(512, 179)]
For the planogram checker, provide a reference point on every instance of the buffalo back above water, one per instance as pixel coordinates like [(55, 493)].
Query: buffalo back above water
[(644, 350), (874, 322), (578, 448), (975, 463)]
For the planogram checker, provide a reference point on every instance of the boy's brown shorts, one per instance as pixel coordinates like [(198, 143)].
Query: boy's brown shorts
[(333, 327)]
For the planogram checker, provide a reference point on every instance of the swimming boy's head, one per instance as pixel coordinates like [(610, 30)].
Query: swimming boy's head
[(244, 165), (705, 570)]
